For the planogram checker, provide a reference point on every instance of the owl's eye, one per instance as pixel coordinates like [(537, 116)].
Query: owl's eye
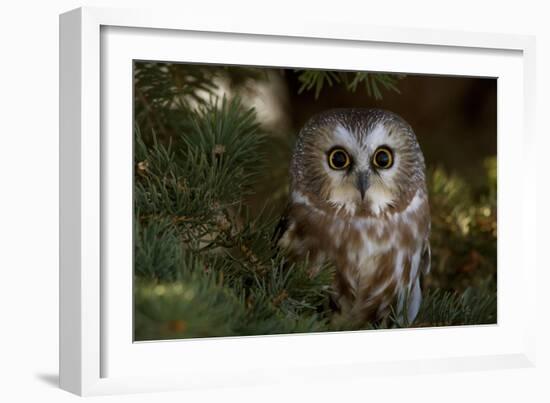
[(338, 159), (383, 158)]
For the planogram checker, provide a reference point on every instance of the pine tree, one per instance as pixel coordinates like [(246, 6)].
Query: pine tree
[(205, 264)]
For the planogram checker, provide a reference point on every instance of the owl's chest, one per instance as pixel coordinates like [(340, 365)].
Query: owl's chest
[(361, 245), (357, 243)]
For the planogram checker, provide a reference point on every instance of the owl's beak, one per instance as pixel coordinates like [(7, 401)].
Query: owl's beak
[(362, 183)]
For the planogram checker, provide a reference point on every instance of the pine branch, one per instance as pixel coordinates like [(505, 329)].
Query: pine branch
[(373, 83), (317, 79)]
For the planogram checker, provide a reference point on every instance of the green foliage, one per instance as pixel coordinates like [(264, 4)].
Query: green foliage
[(464, 230), (158, 252), (204, 260), (166, 94), (373, 83), (444, 308), (204, 267), (165, 91)]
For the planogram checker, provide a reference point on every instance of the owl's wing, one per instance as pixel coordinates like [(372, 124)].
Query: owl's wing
[(415, 292)]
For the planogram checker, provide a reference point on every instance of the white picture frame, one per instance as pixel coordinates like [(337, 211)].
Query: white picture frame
[(97, 353)]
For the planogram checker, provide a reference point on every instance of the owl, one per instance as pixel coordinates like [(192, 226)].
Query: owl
[(358, 200)]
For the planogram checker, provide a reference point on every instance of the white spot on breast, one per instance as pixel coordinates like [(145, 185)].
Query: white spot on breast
[(344, 198), (415, 203), (300, 198), (379, 198), (398, 270)]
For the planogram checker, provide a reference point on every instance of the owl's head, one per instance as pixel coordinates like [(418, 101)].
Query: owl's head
[(361, 161)]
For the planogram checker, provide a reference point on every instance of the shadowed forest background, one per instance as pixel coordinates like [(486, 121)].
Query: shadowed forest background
[(212, 146)]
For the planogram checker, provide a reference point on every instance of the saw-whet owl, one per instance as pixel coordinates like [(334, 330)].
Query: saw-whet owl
[(358, 200)]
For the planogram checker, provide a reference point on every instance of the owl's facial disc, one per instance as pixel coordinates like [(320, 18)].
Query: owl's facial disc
[(361, 169), (361, 161)]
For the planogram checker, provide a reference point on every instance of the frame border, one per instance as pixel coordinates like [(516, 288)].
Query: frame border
[(80, 307)]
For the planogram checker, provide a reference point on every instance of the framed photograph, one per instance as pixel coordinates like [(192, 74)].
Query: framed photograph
[(235, 200)]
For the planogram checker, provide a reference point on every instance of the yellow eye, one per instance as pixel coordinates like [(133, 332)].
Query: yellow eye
[(338, 159), (382, 158)]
